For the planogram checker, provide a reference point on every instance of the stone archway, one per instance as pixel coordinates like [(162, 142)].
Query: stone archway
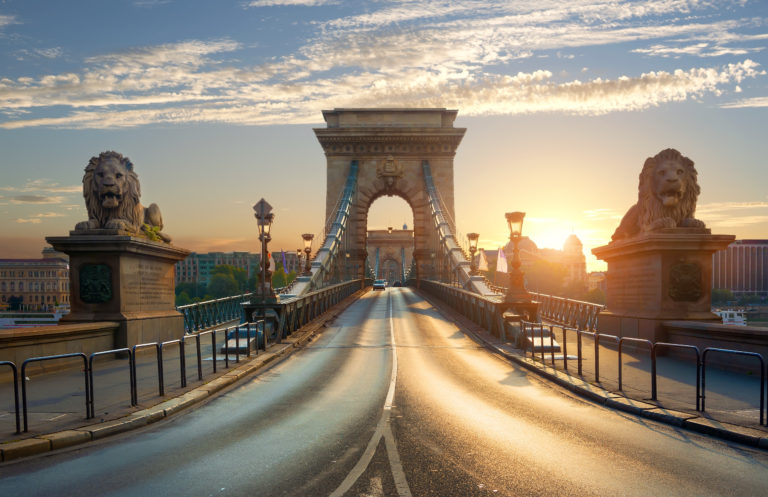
[(390, 146)]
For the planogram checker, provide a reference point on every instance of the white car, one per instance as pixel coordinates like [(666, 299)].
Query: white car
[(379, 284)]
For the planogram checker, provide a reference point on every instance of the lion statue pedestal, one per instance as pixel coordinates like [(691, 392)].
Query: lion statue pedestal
[(122, 267), (660, 259)]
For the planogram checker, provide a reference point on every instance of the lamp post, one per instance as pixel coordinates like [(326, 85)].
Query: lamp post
[(298, 260), (307, 237), (516, 291), (265, 217), (473, 237)]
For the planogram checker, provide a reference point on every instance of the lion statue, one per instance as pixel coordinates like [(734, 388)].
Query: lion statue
[(111, 191), (666, 196)]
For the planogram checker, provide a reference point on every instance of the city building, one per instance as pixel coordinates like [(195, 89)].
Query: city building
[(197, 267), (742, 268), (35, 284), (393, 249)]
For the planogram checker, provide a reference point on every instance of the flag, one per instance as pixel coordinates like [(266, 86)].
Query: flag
[(285, 265), (272, 264), (501, 261), (482, 263)]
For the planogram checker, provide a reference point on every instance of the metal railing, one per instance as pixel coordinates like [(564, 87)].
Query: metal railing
[(207, 314), (293, 314), (51, 358), (530, 330), (15, 391)]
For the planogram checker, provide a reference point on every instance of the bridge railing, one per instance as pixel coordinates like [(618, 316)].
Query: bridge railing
[(544, 340), (203, 315)]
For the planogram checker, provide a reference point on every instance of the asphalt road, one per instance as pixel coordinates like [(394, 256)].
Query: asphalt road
[(394, 400)]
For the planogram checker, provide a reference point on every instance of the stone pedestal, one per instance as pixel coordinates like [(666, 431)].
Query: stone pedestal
[(116, 277), (658, 276)]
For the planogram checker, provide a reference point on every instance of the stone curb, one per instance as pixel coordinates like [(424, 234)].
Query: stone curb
[(277, 353), (693, 422)]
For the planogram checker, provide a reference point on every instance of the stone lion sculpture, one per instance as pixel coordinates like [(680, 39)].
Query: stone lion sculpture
[(111, 191), (666, 196)]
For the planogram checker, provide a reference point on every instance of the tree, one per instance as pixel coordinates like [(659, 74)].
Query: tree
[(279, 278), (183, 299), (722, 296), (195, 291), (222, 285), (238, 275)]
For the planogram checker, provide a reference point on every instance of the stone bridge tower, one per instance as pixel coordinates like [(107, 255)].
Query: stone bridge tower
[(390, 145)]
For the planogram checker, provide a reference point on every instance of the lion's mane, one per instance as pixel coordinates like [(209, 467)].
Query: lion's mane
[(650, 212), (129, 209)]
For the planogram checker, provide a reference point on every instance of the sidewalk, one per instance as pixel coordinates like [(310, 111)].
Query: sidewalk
[(732, 399), (56, 400)]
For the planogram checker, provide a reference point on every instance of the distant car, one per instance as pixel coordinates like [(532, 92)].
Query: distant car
[(379, 284), (397, 283)]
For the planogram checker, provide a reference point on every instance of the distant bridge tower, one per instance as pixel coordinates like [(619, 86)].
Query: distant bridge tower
[(390, 146)]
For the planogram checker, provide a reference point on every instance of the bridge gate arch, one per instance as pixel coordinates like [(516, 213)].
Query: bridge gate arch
[(390, 146)]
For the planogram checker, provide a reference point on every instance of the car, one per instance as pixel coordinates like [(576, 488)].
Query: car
[(379, 284)]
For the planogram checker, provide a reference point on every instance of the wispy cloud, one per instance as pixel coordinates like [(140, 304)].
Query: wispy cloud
[(38, 218), (729, 215), (401, 53), (36, 199), (746, 103), (275, 3), (43, 185), (5, 20)]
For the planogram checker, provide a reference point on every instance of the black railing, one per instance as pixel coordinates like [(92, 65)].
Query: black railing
[(531, 330), (292, 314), (15, 372), (51, 358)]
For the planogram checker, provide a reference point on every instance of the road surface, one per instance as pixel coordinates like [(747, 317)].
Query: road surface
[(393, 399)]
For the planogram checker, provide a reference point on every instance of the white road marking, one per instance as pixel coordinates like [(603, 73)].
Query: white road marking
[(383, 429)]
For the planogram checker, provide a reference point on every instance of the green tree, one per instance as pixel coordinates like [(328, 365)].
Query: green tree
[(183, 299), (222, 285), (279, 278), (194, 291), (721, 296), (238, 275)]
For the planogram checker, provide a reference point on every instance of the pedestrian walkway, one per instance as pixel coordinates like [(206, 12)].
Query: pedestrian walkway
[(732, 398)]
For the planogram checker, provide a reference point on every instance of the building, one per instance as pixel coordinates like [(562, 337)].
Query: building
[(197, 267), (35, 284), (393, 249), (742, 268), (571, 257)]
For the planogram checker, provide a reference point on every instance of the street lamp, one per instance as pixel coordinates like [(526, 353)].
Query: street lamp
[(298, 260), (307, 237), (265, 217), (473, 237), (389, 230), (516, 291)]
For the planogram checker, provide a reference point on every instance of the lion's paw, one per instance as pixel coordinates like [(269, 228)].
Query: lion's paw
[(690, 222), (663, 222), (118, 224), (91, 224)]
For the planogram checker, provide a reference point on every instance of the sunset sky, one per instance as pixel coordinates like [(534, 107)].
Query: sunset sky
[(214, 102)]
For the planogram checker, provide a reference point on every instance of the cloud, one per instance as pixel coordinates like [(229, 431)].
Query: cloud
[(6, 20), (401, 53), (43, 185), (33, 220), (747, 103), (276, 3), (37, 218), (150, 3), (733, 214), (36, 199)]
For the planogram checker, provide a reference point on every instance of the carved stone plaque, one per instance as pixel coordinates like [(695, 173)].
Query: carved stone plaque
[(95, 283), (685, 282)]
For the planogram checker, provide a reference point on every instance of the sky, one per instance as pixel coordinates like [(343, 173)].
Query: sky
[(215, 101)]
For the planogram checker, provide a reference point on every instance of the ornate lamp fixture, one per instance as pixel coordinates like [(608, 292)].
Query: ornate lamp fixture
[(307, 237), (265, 217), (473, 237), (516, 291)]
